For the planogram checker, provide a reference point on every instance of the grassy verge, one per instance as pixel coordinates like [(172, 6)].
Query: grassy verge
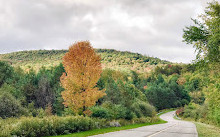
[(110, 129), (177, 118), (205, 130)]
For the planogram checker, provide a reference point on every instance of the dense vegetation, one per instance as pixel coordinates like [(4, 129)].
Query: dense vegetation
[(117, 60), (36, 96), (203, 82)]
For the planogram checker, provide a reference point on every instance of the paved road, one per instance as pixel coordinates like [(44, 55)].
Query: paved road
[(174, 128)]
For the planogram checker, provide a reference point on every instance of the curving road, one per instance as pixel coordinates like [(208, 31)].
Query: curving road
[(174, 128)]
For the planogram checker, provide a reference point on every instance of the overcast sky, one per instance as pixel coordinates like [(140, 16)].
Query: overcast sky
[(149, 27)]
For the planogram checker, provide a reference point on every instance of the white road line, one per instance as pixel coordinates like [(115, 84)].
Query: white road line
[(158, 132)]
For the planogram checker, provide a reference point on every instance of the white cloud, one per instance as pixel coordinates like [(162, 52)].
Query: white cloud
[(145, 26)]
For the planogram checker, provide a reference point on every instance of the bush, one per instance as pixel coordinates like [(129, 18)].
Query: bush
[(143, 109), (142, 120), (9, 106), (101, 112), (119, 111), (192, 111), (54, 125), (197, 112), (130, 115)]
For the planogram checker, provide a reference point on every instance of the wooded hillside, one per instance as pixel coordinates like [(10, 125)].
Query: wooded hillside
[(113, 59)]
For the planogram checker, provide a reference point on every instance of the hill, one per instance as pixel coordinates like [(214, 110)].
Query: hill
[(113, 59)]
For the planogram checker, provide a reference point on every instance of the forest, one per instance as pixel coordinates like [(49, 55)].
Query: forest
[(112, 59), (28, 95)]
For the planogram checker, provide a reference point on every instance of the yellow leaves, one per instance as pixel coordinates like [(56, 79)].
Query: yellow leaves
[(181, 81), (88, 112), (83, 70)]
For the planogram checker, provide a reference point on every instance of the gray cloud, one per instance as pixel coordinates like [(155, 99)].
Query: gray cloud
[(150, 27)]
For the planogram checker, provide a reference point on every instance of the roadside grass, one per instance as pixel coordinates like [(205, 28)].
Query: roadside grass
[(176, 117), (110, 129), (205, 130)]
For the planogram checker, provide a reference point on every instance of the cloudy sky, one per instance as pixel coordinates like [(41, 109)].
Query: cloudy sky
[(149, 27)]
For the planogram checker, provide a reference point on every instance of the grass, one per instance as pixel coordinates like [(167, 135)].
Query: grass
[(205, 130), (110, 129), (176, 117)]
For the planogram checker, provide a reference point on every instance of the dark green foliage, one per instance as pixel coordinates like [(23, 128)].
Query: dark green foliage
[(120, 112), (113, 92), (196, 33), (193, 84), (143, 109), (41, 88), (164, 94), (58, 100), (29, 87), (168, 70), (135, 78), (44, 94), (206, 36), (122, 94), (101, 112), (5, 72), (179, 90), (9, 106)]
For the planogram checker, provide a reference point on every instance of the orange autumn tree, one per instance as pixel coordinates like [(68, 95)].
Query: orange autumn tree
[(83, 70)]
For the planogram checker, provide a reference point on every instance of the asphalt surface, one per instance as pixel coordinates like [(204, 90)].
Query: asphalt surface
[(173, 128)]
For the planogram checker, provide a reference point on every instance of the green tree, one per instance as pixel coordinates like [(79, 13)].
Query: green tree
[(5, 72), (164, 94), (205, 35), (44, 94), (9, 106)]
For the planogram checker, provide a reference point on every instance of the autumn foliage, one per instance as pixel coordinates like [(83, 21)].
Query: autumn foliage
[(83, 70)]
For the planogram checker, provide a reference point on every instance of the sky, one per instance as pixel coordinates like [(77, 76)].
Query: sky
[(149, 27)]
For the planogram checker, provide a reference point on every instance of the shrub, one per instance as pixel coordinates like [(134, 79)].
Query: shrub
[(119, 111), (101, 112), (115, 124), (191, 111), (130, 115), (142, 120), (146, 109), (52, 126), (9, 106), (141, 109)]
